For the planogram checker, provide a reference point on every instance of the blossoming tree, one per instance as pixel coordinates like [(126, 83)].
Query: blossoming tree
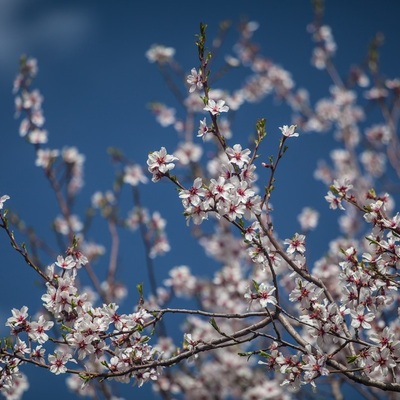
[(267, 324)]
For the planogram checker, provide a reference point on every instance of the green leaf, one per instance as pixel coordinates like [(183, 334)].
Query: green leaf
[(214, 324), (139, 288), (256, 285), (351, 359)]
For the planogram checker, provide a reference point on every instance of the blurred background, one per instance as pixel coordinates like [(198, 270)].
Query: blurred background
[(97, 85)]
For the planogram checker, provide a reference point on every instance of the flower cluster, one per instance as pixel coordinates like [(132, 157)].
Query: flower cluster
[(309, 324), (230, 196)]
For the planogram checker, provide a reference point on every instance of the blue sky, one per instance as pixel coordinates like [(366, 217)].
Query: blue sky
[(97, 83)]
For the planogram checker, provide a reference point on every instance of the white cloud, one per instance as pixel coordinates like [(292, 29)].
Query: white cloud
[(27, 25)]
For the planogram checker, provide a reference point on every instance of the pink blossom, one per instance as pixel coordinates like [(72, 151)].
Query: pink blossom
[(238, 156), (216, 108), (194, 80), (58, 360), (289, 131)]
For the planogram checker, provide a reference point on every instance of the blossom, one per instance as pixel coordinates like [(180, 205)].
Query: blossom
[(216, 108), (315, 367), (45, 157), (160, 162), (194, 194), (264, 295), (18, 318), (3, 199), (238, 156), (308, 218), (289, 131), (37, 330), (334, 202), (65, 263), (361, 320), (133, 174), (188, 152), (296, 243), (194, 80), (160, 54), (58, 361), (165, 116), (203, 129)]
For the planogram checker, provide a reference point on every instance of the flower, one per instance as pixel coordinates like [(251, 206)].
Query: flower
[(58, 361), (160, 163), (65, 263), (194, 194), (160, 54), (361, 320), (18, 318), (238, 156), (45, 157), (308, 218), (216, 108), (37, 331), (133, 174), (203, 129), (194, 80), (3, 199), (296, 243), (289, 131)]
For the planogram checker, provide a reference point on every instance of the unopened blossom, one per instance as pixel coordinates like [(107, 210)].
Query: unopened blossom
[(194, 80), (3, 199), (289, 131), (216, 107)]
